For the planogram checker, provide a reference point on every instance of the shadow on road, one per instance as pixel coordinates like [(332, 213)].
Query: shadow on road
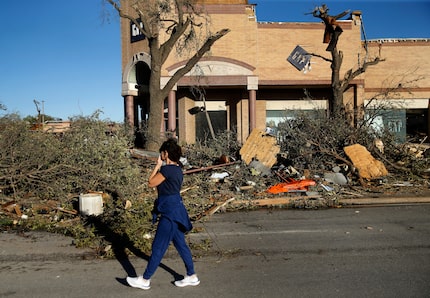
[(120, 243)]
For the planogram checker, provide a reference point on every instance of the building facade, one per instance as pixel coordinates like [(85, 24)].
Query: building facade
[(253, 77)]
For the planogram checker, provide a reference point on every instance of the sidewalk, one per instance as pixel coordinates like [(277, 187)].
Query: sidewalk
[(385, 201)]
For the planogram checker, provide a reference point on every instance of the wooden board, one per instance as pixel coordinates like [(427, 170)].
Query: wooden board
[(260, 146), (368, 167)]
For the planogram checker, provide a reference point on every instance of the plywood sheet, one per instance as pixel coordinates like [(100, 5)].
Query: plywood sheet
[(260, 146), (367, 166)]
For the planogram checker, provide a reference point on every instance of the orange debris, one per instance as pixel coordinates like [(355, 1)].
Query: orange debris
[(291, 185)]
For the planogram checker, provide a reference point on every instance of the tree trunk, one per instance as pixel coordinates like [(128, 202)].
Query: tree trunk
[(154, 135), (336, 102), (332, 32), (152, 19), (157, 95)]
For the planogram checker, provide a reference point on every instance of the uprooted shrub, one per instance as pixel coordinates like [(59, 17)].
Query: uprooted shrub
[(316, 142), (87, 157), (39, 167)]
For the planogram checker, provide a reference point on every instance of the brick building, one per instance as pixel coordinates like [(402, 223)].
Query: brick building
[(248, 82)]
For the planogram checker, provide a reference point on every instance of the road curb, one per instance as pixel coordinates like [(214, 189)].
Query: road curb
[(384, 201)]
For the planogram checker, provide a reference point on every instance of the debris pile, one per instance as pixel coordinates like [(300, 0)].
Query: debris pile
[(258, 174), (263, 176)]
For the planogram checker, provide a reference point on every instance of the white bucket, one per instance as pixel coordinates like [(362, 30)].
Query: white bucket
[(91, 204)]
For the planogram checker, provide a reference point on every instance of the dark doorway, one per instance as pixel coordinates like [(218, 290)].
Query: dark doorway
[(218, 120), (141, 103), (417, 124)]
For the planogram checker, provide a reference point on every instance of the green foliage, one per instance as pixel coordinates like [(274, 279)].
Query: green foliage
[(35, 119), (87, 157), (6, 223), (92, 155)]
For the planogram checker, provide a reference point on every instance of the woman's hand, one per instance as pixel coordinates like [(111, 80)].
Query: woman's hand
[(156, 178), (159, 161)]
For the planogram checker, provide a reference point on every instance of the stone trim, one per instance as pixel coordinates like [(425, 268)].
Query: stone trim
[(129, 85), (213, 58), (293, 83), (213, 81)]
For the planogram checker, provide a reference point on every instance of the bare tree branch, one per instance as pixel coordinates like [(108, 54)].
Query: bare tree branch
[(197, 56), (322, 57), (350, 75)]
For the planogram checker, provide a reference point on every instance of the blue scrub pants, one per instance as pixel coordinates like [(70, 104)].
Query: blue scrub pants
[(168, 231)]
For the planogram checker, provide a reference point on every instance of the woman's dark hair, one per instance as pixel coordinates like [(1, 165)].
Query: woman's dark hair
[(173, 149)]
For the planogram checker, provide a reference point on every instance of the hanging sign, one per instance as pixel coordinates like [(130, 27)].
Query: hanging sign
[(135, 34), (299, 58)]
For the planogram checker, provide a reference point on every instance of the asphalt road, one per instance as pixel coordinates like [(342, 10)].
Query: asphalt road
[(347, 252)]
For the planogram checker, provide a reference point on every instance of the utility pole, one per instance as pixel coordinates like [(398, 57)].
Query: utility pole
[(38, 110), (40, 114), (43, 115)]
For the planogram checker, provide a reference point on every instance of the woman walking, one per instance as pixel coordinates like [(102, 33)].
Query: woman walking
[(173, 222)]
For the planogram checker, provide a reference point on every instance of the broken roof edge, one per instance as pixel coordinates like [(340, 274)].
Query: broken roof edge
[(393, 40)]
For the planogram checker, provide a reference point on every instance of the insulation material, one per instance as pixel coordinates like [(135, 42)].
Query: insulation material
[(260, 146), (368, 167)]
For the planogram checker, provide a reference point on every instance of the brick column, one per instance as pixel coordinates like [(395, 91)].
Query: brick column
[(242, 116), (252, 109), (129, 110), (252, 86), (187, 122)]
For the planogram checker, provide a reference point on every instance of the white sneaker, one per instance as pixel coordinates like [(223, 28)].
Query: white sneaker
[(139, 282), (192, 280)]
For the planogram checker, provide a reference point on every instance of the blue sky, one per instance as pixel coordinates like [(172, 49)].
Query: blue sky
[(381, 18), (67, 55)]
